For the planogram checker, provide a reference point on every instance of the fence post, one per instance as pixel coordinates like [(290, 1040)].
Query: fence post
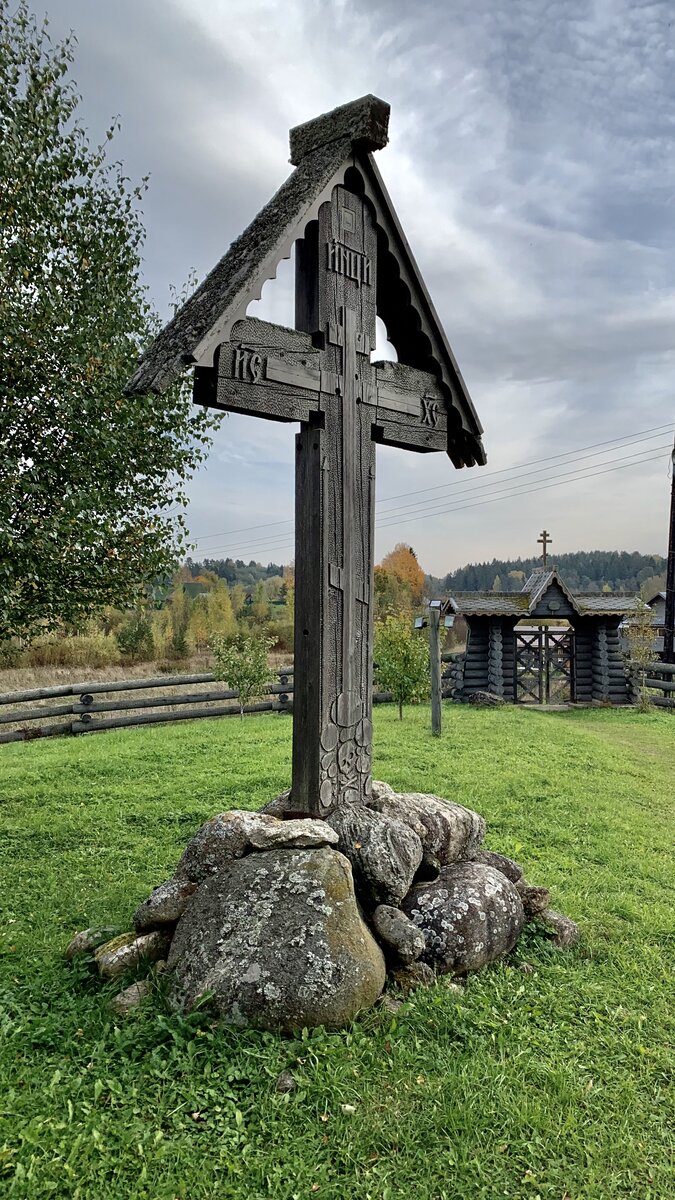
[(435, 664)]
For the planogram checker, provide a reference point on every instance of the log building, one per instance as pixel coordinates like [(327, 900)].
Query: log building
[(544, 644)]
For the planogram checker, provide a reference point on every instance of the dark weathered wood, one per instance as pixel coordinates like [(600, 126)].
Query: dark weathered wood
[(336, 211), (661, 668), (272, 689), (118, 685), (34, 732), (231, 710), (36, 714), (435, 668), (65, 689)]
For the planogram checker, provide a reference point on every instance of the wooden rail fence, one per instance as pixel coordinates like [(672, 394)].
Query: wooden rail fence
[(84, 704), (662, 676)]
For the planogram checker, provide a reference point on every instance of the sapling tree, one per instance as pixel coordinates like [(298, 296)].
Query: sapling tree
[(242, 663), (401, 661), (639, 631)]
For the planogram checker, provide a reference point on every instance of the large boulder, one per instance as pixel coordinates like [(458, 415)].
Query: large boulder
[(219, 841), (470, 916), (300, 834), (230, 835), (278, 941), (448, 831), (507, 866), (384, 852)]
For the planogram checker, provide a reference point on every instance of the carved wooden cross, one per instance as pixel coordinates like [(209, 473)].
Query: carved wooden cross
[(352, 263), (321, 375), (544, 541)]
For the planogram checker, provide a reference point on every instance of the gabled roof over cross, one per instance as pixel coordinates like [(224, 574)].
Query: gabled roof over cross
[(333, 149)]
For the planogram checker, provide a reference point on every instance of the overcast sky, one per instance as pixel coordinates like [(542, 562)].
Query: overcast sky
[(531, 163)]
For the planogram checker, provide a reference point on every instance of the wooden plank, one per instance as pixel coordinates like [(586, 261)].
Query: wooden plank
[(408, 437), (133, 685), (309, 588), (661, 668), (36, 714), (663, 685), (117, 685), (263, 400), (231, 710), (65, 689), (29, 735), (435, 665), (272, 689)]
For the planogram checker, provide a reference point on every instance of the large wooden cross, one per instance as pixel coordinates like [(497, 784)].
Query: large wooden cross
[(321, 375), (352, 263)]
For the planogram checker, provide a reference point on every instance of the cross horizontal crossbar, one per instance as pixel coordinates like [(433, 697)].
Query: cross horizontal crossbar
[(273, 372)]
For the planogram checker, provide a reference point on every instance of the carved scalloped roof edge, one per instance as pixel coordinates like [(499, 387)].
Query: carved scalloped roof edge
[(225, 293)]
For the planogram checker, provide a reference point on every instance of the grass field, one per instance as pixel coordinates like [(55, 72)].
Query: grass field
[(551, 1084)]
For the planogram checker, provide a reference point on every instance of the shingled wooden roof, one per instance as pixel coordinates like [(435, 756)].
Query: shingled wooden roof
[(522, 604)]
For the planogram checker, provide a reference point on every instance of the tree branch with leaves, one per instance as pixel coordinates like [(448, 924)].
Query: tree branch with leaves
[(90, 477)]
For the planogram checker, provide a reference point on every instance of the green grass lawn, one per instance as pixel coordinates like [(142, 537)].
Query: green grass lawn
[(551, 1084)]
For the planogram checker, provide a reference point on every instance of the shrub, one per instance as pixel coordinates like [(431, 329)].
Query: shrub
[(401, 661), (135, 638), (83, 650), (242, 662)]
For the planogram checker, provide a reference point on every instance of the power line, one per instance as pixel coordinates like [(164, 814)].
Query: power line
[(513, 491), (429, 506), (245, 529), (528, 491), (639, 436), (477, 481)]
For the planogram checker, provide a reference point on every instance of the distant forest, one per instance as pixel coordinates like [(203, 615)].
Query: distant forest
[(583, 571), (235, 570)]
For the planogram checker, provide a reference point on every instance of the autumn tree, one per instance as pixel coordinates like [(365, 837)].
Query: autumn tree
[(400, 579), (221, 618), (89, 476)]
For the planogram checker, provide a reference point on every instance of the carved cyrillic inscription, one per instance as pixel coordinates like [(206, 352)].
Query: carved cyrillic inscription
[(429, 412), (247, 365), (350, 263)]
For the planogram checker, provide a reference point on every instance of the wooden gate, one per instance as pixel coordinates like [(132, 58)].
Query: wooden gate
[(544, 665)]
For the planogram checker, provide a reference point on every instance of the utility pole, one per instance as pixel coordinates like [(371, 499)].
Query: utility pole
[(668, 655)]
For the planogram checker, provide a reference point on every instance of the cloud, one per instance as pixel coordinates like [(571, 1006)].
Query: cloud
[(531, 165)]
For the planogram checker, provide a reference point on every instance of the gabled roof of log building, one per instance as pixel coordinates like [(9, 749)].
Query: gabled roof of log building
[(522, 604), (334, 148)]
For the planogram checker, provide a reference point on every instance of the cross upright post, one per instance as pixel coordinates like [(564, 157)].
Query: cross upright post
[(352, 264)]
